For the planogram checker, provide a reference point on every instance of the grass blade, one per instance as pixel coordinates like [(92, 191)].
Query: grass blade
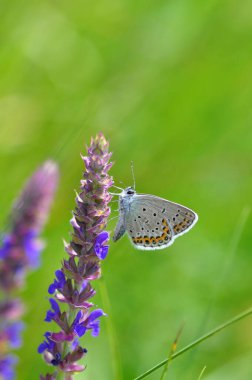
[(171, 352), (202, 372)]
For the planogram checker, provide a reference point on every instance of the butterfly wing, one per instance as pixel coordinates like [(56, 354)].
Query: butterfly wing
[(147, 227), (180, 218), (120, 227)]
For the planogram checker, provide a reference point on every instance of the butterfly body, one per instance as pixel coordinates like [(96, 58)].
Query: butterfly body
[(151, 222)]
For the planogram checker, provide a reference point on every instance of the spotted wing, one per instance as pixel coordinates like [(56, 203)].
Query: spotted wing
[(147, 227), (180, 218)]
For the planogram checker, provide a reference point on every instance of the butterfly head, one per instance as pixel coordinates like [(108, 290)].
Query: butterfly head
[(129, 191), (127, 194), (126, 198)]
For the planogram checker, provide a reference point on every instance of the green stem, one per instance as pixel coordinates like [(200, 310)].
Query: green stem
[(112, 338), (198, 341)]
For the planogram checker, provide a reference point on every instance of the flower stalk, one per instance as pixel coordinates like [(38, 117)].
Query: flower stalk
[(72, 285)]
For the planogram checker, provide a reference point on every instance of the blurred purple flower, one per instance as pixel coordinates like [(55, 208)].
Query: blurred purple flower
[(7, 364), (21, 247), (19, 252)]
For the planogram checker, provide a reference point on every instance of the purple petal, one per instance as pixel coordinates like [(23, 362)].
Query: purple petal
[(95, 314), (80, 330), (52, 288), (46, 344), (102, 237), (60, 276), (84, 285), (77, 319), (75, 343), (95, 328), (42, 347), (59, 283), (55, 306), (102, 252), (49, 316)]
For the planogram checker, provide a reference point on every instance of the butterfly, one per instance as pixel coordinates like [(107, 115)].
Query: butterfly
[(151, 222)]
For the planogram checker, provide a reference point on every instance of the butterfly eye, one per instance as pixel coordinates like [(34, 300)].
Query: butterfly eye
[(130, 192)]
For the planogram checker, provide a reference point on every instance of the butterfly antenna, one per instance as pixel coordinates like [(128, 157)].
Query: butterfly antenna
[(117, 187), (133, 175)]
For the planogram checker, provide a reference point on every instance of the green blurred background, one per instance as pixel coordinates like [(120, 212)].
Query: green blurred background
[(170, 85)]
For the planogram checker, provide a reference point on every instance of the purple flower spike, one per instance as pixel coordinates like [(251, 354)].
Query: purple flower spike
[(73, 283), (101, 250), (19, 253)]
